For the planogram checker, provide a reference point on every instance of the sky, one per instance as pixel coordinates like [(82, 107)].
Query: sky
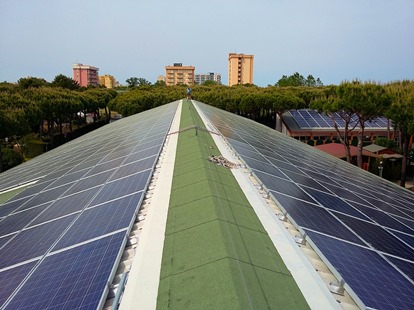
[(334, 40)]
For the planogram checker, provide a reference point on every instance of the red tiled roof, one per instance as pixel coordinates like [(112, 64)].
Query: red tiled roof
[(338, 150)]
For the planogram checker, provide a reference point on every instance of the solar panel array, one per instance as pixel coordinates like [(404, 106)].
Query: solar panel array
[(307, 119), (360, 224), (61, 238)]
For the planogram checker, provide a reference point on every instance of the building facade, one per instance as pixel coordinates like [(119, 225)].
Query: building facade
[(179, 74), (107, 80), (201, 78), (85, 74), (161, 78), (240, 69)]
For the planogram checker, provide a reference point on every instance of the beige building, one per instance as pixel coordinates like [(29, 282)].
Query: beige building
[(179, 74), (107, 80), (240, 69), (161, 78)]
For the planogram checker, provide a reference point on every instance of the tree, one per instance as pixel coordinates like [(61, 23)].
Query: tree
[(367, 101), (338, 110), (143, 82), (12, 123), (283, 101), (65, 82), (297, 79), (31, 82), (160, 83), (132, 81), (209, 83), (401, 112)]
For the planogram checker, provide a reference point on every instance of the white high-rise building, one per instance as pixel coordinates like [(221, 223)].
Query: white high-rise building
[(201, 78)]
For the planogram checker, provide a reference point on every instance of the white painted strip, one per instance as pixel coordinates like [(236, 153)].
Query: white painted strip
[(141, 290)]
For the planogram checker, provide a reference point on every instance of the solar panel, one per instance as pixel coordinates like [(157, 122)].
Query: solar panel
[(307, 119), (33, 242), (361, 225), (108, 217), (72, 279), (10, 279), (19, 220), (61, 244), (12, 205), (377, 283), (66, 205)]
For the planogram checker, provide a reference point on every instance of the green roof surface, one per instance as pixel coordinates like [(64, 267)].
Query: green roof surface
[(217, 254)]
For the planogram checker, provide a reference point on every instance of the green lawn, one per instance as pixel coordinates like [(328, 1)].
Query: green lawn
[(216, 253)]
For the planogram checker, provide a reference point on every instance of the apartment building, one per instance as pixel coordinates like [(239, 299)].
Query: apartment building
[(240, 69), (85, 74), (178, 74), (107, 80), (201, 78)]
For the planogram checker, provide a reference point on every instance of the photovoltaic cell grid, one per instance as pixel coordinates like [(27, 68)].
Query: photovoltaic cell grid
[(60, 238), (306, 118), (362, 224)]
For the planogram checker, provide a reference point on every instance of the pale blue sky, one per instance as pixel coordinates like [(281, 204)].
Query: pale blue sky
[(334, 40)]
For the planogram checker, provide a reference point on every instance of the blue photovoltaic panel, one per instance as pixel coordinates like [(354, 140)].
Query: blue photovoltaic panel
[(257, 165), (34, 189), (149, 144), (123, 187), (355, 209), (78, 275), (108, 217), (143, 154), (283, 186), (133, 168), (32, 242), (72, 279), (373, 202), (316, 218), (334, 203), (19, 220), (247, 153), (68, 178), (409, 239), (344, 193), (43, 197), (12, 205), (376, 282), (304, 180), (299, 119), (283, 165), (90, 182), (66, 205), (382, 218), (307, 119), (405, 266), (10, 279), (4, 240), (378, 237)]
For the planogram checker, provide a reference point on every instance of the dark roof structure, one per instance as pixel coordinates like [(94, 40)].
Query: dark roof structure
[(218, 239)]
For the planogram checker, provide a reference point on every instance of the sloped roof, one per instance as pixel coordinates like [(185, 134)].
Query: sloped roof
[(362, 232), (338, 150), (374, 148)]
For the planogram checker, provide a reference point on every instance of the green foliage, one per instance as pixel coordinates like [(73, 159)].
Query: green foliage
[(31, 82), (297, 79), (11, 158), (209, 83), (385, 142), (132, 81), (65, 82)]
